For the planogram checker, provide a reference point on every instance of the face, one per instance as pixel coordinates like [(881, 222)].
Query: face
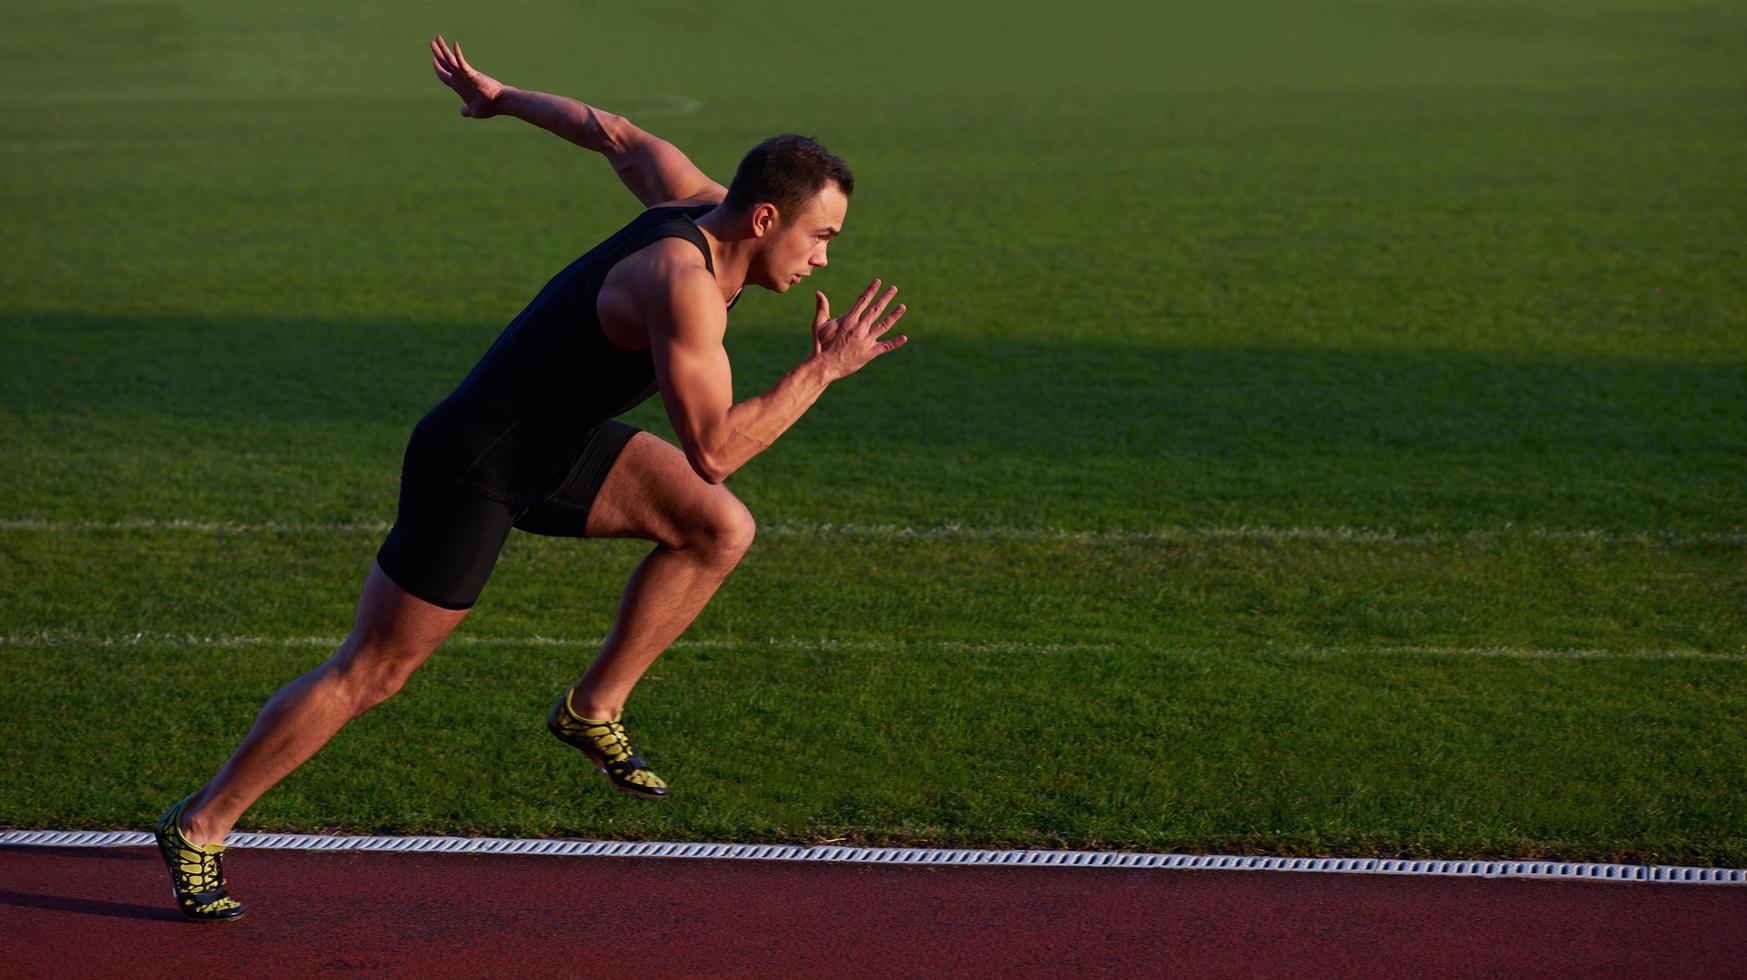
[(795, 247)]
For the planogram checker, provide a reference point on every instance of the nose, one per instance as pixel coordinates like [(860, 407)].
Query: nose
[(819, 261)]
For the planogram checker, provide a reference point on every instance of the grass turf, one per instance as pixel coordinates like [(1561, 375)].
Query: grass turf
[(1466, 273)]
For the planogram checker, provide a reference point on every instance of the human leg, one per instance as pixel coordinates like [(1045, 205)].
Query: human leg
[(700, 531), (391, 636)]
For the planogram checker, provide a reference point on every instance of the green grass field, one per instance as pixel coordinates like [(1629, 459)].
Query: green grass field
[(1320, 434)]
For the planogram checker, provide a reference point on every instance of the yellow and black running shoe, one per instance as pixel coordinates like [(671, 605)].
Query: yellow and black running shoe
[(607, 745), (196, 871)]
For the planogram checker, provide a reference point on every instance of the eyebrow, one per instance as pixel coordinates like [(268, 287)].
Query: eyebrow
[(833, 232)]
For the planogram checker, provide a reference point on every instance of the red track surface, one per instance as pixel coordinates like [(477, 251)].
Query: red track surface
[(105, 912)]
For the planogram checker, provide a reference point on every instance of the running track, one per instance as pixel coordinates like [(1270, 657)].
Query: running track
[(104, 912)]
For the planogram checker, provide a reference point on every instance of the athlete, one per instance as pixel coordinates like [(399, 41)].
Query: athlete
[(530, 440)]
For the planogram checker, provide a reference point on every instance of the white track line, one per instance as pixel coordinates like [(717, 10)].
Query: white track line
[(958, 532), (79, 640), (831, 854)]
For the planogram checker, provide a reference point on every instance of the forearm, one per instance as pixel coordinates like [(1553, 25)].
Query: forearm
[(578, 122), (750, 427), (650, 167)]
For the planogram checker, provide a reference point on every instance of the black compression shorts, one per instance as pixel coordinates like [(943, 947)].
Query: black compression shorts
[(446, 536)]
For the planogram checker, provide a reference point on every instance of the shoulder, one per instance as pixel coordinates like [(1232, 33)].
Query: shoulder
[(676, 288), (670, 256), (667, 267)]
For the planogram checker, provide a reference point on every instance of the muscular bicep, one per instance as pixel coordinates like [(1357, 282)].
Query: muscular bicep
[(657, 171), (691, 368)]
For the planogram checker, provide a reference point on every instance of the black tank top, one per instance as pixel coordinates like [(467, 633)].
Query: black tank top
[(516, 427)]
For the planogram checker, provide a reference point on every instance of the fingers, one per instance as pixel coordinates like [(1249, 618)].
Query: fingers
[(444, 62), (885, 300), (450, 55), (862, 300), (865, 317), (888, 323)]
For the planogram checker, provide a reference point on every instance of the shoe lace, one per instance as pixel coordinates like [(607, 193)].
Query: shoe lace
[(613, 741), (200, 871)]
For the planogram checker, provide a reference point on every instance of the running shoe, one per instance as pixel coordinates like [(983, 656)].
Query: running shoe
[(607, 745), (196, 871)]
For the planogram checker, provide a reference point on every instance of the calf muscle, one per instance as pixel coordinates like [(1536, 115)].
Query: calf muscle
[(392, 635)]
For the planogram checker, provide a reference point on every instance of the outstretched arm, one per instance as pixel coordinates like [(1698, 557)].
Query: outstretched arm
[(654, 169)]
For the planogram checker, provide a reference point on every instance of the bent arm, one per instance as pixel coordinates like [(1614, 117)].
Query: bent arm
[(654, 169), (691, 366)]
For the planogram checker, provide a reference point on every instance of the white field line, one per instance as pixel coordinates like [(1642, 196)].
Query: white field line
[(851, 854), (671, 105), (959, 532), (56, 638), (48, 639)]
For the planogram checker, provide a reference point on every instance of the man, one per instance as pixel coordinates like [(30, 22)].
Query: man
[(530, 440)]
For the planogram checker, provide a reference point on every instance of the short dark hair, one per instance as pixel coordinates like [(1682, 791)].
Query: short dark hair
[(786, 171)]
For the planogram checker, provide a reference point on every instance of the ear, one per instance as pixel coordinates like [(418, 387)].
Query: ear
[(764, 219)]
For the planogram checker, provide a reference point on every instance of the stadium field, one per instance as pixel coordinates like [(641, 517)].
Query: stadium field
[(1321, 432)]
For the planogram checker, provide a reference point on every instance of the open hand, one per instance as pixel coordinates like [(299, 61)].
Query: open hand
[(847, 343), (478, 90)]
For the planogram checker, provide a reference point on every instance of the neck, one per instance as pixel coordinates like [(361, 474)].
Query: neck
[(730, 250)]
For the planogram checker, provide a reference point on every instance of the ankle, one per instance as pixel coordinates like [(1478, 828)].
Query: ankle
[(197, 830), (590, 707)]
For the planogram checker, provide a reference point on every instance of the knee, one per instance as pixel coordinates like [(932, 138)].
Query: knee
[(380, 688), (726, 531), (373, 674)]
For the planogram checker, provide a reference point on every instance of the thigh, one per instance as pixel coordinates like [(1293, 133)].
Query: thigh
[(653, 493), (445, 540), (565, 513), (394, 624)]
